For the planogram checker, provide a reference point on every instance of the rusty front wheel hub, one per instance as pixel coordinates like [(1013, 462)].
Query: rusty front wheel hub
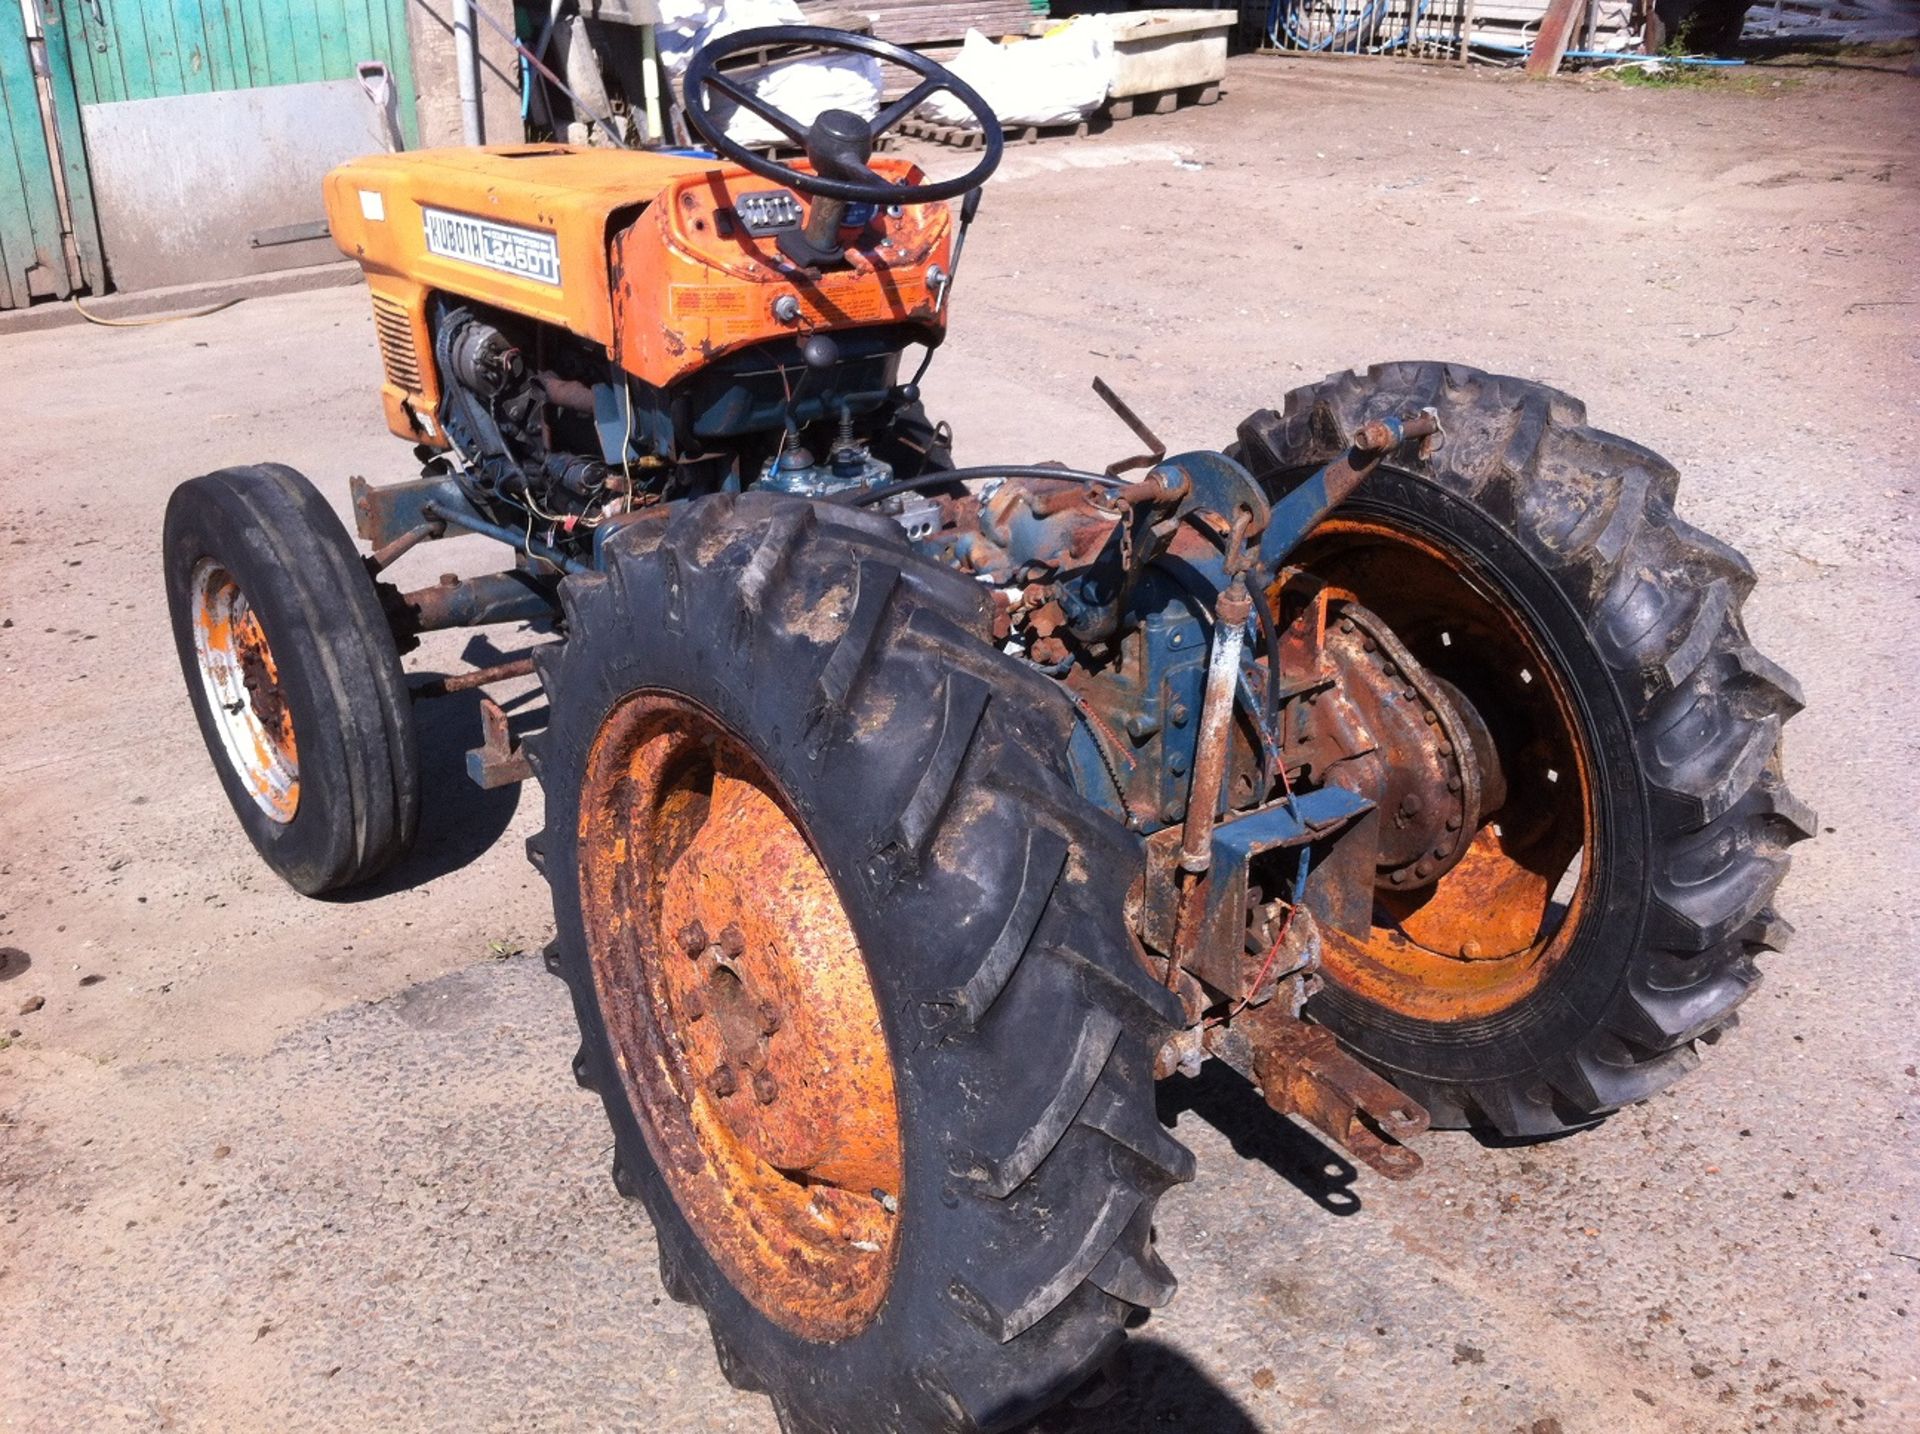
[(1478, 926), (741, 1014), (241, 682)]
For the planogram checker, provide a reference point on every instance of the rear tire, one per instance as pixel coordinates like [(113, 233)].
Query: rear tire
[(986, 895), (314, 742), (1638, 615)]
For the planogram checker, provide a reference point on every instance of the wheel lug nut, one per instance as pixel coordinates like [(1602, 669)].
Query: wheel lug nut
[(732, 941), (723, 1083), (765, 1087), (1398, 878), (769, 1018), (1423, 869), (693, 938), (1453, 822)]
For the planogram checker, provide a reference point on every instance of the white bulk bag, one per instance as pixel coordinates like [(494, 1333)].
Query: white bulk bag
[(1056, 79)]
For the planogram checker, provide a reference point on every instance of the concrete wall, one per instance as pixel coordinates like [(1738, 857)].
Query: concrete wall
[(430, 30)]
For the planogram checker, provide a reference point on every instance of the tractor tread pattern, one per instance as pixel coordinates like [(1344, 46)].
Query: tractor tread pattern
[(328, 586), (1661, 601), (1022, 1014)]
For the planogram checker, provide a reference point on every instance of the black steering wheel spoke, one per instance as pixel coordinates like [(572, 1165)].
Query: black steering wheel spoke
[(838, 169), (904, 106), (745, 97)]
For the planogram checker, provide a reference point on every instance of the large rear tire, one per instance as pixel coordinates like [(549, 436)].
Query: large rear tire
[(771, 718), (1536, 565), (293, 674)]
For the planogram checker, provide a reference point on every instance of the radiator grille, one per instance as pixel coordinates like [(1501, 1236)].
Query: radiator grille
[(395, 327)]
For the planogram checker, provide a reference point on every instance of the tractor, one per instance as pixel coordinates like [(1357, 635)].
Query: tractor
[(906, 820)]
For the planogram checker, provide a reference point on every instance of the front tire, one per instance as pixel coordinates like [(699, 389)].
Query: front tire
[(769, 717), (293, 675), (1673, 819)]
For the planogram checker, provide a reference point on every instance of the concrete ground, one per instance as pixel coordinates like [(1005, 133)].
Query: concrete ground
[(267, 1162)]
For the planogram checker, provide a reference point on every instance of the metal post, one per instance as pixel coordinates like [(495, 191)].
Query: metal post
[(466, 65), (650, 80)]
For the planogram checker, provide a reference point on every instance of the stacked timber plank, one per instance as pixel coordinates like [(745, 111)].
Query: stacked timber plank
[(924, 22)]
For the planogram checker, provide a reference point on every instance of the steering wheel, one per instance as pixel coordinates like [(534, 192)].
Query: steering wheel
[(838, 143)]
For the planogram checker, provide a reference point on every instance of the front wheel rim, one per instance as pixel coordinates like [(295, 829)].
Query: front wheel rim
[(246, 703), (741, 1016)]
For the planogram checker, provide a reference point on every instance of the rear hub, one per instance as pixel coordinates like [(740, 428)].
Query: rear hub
[(741, 1014), (1483, 783)]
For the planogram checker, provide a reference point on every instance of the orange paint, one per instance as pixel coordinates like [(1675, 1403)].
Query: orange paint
[(646, 259), (1486, 933), (744, 1025)]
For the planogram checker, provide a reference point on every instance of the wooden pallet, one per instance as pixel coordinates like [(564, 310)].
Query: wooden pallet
[(1161, 102), (959, 137)]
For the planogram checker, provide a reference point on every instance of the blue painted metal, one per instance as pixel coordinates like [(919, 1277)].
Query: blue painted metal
[(1300, 511), (1291, 822), (1219, 485), (1284, 823), (463, 516), (395, 509)]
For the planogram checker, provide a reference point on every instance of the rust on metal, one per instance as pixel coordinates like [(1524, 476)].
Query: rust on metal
[(478, 677), (1372, 443), (251, 710), (1230, 613), (743, 1021), (1302, 1070), (1489, 809), (387, 554), (454, 601), (1431, 762), (1156, 450), (499, 761)]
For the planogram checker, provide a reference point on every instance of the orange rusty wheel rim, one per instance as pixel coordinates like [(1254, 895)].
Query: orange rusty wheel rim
[(241, 680), (741, 1016), (1482, 937)]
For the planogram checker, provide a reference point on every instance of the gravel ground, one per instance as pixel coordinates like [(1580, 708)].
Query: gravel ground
[(267, 1162)]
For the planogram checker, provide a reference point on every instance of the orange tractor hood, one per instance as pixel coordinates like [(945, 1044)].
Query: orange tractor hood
[(640, 252)]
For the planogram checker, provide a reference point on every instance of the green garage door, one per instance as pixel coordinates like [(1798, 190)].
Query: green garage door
[(59, 55), (49, 245), (143, 49)]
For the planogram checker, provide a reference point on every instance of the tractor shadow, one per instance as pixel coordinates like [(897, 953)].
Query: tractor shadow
[(1223, 1099), (459, 822), (1148, 1386)]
